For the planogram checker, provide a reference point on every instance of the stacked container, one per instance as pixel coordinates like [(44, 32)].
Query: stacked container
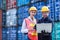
[(11, 23), (0, 19), (57, 18), (54, 9), (4, 4), (0, 3), (4, 18), (51, 6), (57, 10), (11, 33), (22, 2), (57, 31), (0, 24), (4, 33), (54, 15), (4, 25), (11, 19), (10, 4), (20, 37), (22, 14)]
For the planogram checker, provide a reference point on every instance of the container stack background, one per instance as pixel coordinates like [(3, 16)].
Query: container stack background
[(13, 12)]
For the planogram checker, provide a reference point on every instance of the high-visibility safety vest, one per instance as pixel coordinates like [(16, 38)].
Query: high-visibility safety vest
[(32, 34)]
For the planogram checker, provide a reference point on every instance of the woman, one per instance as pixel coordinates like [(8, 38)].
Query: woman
[(28, 26)]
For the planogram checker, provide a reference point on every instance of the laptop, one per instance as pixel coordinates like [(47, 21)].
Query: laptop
[(44, 26)]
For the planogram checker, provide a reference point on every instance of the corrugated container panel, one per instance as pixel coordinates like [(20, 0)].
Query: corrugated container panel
[(0, 3), (20, 37), (33, 1), (4, 5), (0, 18), (25, 37), (54, 9), (4, 34), (22, 13), (22, 2), (57, 10), (10, 4), (57, 30), (53, 32), (0, 24), (11, 18), (55, 15), (51, 6), (11, 33), (4, 18)]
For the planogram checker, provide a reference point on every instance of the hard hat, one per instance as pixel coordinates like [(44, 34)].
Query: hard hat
[(33, 9), (44, 9)]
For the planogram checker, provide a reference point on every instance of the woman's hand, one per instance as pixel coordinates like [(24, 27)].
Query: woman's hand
[(31, 30)]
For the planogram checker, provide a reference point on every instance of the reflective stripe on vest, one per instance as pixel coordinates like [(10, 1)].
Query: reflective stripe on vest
[(29, 24)]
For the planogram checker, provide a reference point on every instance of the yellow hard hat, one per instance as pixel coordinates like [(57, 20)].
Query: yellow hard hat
[(44, 9), (33, 9)]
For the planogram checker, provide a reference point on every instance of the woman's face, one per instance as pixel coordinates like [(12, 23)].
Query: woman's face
[(32, 13)]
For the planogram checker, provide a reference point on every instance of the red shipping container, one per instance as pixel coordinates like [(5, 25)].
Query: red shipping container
[(0, 24), (10, 4)]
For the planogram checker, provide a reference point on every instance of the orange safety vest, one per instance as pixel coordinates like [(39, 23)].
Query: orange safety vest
[(32, 34)]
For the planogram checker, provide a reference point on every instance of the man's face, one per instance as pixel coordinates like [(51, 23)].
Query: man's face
[(45, 14), (33, 13)]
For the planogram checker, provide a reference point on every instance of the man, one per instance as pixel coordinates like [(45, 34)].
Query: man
[(45, 19)]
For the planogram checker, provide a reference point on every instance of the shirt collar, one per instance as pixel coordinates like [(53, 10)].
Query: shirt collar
[(34, 20)]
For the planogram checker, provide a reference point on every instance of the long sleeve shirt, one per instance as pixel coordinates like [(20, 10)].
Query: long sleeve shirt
[(24, 28)]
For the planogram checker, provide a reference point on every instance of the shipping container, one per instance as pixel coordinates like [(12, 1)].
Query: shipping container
[(10, 4), (4, 33), (22, 2), (11, 18), (57, 10), (0, 18), (51, 6), (54, 9), (34, 1), (55, 16), (11, 33), (19, 33), (4, 18), (57, 30), (0, 3), (4, 4), (0, 24), (21, 36), (22, 14)]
